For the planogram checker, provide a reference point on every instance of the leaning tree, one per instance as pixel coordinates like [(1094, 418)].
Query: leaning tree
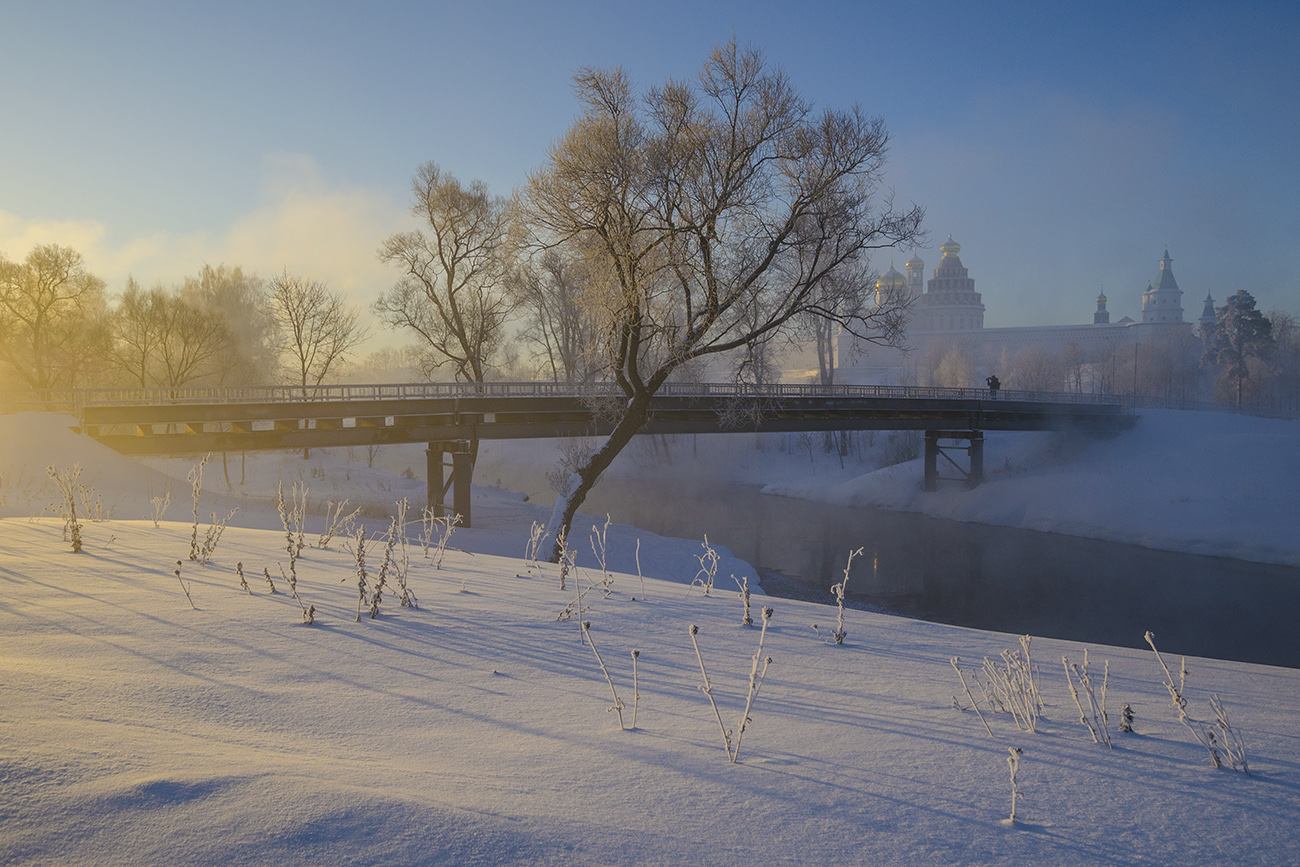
[(710, 217)]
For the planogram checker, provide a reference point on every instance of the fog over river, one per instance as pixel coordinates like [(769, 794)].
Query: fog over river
[(981, 576)]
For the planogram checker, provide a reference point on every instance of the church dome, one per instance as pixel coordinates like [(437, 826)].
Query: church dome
[(916, 263), (950, 247), (891, 278)]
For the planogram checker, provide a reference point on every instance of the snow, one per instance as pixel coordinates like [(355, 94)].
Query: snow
[(136, 729)]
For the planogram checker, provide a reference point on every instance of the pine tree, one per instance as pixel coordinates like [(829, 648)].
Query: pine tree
[(1240, 332)]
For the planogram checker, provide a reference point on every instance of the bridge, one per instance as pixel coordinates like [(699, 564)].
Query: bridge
[(447, 416)]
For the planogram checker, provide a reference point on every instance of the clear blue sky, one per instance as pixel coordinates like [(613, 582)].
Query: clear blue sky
[(1064, 145)]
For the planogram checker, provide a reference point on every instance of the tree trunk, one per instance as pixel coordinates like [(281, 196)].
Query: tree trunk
[(585, 477)]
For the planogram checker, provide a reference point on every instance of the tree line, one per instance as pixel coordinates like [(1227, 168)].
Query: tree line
[(60, 329)]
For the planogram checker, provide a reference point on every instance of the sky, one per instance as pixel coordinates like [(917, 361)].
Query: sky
[(1064, 146)]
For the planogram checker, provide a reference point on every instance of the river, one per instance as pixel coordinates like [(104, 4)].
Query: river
[(986, 577)]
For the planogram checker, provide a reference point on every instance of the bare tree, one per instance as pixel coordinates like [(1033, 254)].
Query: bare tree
[(138, 329), (195, 341), (558, 324), (317, 329), (708, 216), (50, 308), (1034, 368), (240, 299), (452, 292)]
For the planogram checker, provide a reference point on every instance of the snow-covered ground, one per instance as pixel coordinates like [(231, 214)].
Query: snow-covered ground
[(136, 728)]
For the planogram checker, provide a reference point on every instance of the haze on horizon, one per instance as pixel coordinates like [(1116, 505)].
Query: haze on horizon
[(1065, 150)]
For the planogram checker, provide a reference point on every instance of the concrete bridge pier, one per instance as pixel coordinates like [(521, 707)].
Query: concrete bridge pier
[(462, 472), (971, 475)]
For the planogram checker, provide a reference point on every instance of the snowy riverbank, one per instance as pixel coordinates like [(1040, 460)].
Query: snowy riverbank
[(148, 719)]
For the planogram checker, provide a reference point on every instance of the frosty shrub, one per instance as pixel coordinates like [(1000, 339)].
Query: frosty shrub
[(1219, 739), (243, 582), (359, 551), (1013, 686), (535, 536), (708, 567), (266, 573), (446, 524), (213, 536), (336, 523), (67, 483), (381, 580), (160, 505), (195, 476), (406, 599), (756, 677), (1093, 716)]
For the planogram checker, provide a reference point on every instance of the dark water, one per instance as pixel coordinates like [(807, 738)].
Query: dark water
[(994, 578)]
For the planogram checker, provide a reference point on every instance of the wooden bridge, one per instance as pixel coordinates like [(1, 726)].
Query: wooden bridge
[(198, 420)]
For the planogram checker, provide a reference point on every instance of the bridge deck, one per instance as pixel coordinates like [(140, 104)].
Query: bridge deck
[(195, 421)]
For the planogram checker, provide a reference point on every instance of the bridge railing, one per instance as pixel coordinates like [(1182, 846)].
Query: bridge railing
[(73, 400)]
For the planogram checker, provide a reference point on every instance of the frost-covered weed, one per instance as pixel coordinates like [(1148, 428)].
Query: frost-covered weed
[(598, 548), (243, 582), (956, 664), (838, 591), (618, 705), (266, 573), (1013, 763), (177, 573), (68, 482), (160, 505), (308, 612), (336, 523), (743, 584), (1220, 740)]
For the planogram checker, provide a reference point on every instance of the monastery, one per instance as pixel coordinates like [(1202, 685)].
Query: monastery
[(948, 313)]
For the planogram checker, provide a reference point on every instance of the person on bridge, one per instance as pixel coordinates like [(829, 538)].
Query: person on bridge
[(994, 384)]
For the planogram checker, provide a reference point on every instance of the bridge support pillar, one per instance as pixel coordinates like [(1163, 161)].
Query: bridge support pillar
[(462, 471), (971, 475)]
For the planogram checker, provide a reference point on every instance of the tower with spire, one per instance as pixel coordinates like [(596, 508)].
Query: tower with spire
[(1162, 303), (1208, 318)]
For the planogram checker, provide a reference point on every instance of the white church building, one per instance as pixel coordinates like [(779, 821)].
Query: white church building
[(947, 313)]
